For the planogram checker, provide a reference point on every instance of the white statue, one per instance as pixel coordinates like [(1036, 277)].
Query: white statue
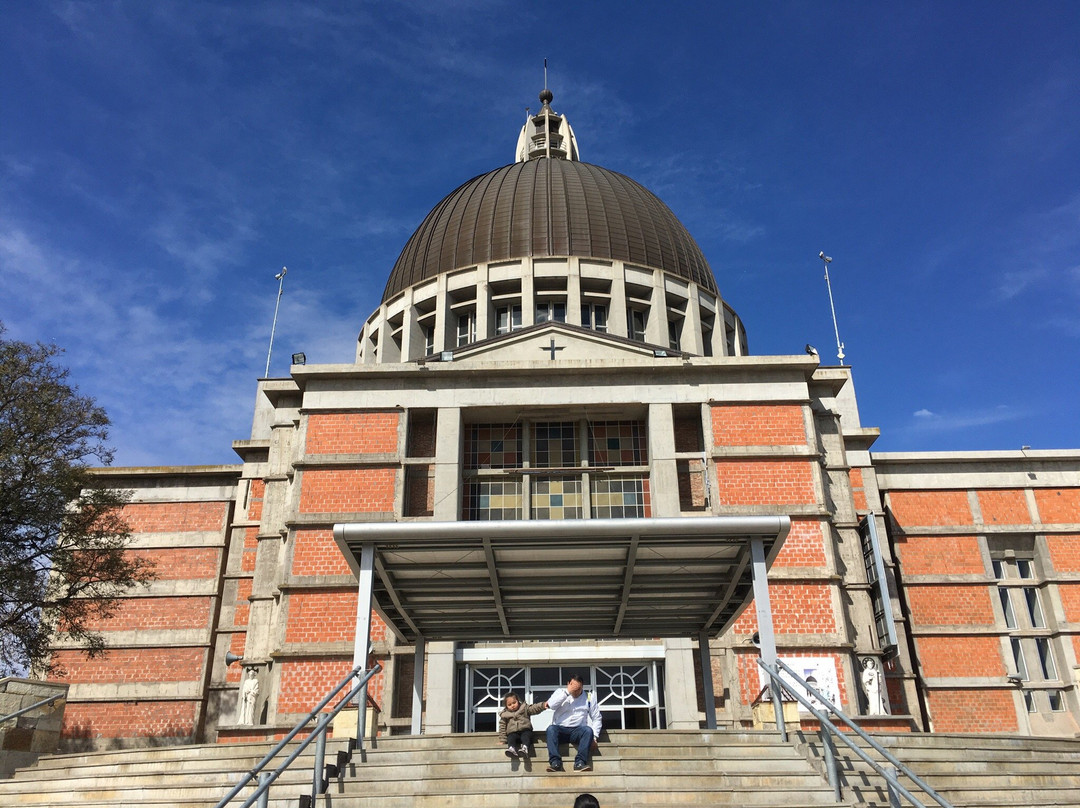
[(874, 687), (249, 694)]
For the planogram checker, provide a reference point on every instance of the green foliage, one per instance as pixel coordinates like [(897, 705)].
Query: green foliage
[(63, 540)]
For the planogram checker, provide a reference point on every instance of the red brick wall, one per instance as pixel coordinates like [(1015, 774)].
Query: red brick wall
[(352, 432), (1070, 601), (134, 665), (803, 547), (972, 710), (168, 517), (858, 490), (160, 719), (305, 682), (187, 563), (961, 656), (1064, 552), (952, 605), (797, 608), (935, 555), (764, 482), (321, 616), (153, 614), (758, 425), (256, 493), (930, 508), (1058, 505), (1004, 507), (362, 490), (315, 553)]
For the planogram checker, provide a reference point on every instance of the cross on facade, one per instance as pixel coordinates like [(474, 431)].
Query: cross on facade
[(552, 348)]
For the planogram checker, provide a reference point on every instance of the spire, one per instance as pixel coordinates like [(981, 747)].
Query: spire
[(546, 134)]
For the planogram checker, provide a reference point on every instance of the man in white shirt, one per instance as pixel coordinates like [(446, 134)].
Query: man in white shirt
[(576, 720)]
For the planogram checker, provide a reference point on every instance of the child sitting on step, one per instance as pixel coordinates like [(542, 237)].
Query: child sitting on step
[(515, 725)]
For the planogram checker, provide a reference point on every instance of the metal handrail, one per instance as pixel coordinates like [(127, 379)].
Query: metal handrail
[(33, 706), (832, 729), (266, 780)]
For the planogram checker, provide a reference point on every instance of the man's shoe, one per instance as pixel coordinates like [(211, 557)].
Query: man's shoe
[(582, 767), (511, 751), (556, 768)]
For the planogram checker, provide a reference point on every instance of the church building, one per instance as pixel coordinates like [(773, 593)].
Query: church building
[(555, 452)]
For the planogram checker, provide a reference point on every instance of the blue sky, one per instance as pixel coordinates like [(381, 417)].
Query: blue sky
[(160, 162)]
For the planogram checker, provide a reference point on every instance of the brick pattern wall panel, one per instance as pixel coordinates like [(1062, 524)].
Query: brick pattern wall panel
[(1004, 508), (758, 425), (858, 490), (960, 656), (157, 614), (364, 490), (256, 494), (159, 719), (972, 711), (352, 432), (764, 482), (1058, 505), (803, 547), (243, 605), (316, 553), (954, 605), (939, 555), (930, 508), (184, 564), (321, 616), (797, 608), (1070, 602), (134, 665), (175, 517), (304, 682), (1064, 551)]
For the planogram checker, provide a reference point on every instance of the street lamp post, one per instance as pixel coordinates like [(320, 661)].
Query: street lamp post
[(280, 278), (826, 260)]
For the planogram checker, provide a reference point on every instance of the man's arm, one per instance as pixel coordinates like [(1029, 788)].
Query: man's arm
[(557, 698), (596, 721)]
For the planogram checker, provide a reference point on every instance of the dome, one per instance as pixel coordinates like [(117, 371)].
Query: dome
[(548, 208)]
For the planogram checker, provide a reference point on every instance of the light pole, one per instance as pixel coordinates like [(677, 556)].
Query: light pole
[(826, 260), (280, 278)]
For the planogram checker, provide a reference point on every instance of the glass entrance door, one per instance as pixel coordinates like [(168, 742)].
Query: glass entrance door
[(630, 696)]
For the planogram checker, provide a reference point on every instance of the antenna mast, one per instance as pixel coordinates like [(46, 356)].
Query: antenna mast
[(280, 278)]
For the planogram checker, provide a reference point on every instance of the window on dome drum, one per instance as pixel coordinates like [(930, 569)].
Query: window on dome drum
[(466, 328), (594, 316), (553, 311), (1019, 588), (706, 342), (507, 319), (674, 330), (428, 332), (636, 320), (534, 469)]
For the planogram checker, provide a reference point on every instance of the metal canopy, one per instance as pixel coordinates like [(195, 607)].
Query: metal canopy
[(565, 579)]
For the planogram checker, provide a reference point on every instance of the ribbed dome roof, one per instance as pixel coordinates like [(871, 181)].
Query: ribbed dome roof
[(549, 207)]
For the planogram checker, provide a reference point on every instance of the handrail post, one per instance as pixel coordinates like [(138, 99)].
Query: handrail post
[(264, 795), (894, 796), (831, 769), (320, 756)]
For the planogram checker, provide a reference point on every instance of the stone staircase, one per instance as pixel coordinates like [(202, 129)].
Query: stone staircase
[(969, 771), (654, 769), (661, 769)]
